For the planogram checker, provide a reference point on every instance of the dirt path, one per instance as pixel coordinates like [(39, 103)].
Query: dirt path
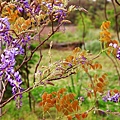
[(62, 46), (70, 28)]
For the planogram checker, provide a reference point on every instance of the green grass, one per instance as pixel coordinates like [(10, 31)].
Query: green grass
[(73, 36), (24, 112), (92, 44)]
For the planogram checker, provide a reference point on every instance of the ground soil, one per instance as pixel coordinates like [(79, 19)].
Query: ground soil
[(62, 46), (70, 28)]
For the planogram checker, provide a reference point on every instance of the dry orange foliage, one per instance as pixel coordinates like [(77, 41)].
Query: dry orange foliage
[(100, 83), (95, 66), (62, 101), (116, 91), (69, 117), (84, 115), (11, 12), (106, 39), (77, 57), (105, 25), (78, 116), (105, 35)]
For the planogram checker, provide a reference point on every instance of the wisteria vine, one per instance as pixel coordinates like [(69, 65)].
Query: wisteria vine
[(17, 17), (17, 20)]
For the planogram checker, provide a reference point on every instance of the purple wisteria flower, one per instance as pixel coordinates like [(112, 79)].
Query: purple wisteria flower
[(114, 98), (20, 9), (7, 68), (37, 10), (118, 53), (24, 6), (7, 59), (118, 49), (57, 8), (4, 27), (61, 14), (25, 40), (4, 24)]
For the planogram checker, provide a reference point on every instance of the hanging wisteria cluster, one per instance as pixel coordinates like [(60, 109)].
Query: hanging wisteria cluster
[(12, 49), (16, 19)]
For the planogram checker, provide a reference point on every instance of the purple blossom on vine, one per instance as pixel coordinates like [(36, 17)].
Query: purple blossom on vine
[(37, 10), (7, 60), (56, 9), (118, 49), (7, 68), (4, 27), (115, 98), (24, 6), (20, 9), (7, 71), (118, 53), (60, 15), (4, 24), (25, 40)]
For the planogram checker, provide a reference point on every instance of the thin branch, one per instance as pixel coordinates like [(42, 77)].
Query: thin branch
[(40, 54), (114, 66), (54, 79), (105, 10), (3, 31), (117, 2), (32, 87), (33, 51), (83, 34), (4, 112), (116, 20), (2, 91), (90, 79), (37, 65), (51, 17), (7, 101), (109, 112)]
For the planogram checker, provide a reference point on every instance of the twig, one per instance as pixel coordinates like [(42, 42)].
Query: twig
[(54, 79), (33, 51), (114, 66), (3, 113), (32, 87), (105, 10), (83, 34), (117, 2), (40, 54), (116, 20)]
